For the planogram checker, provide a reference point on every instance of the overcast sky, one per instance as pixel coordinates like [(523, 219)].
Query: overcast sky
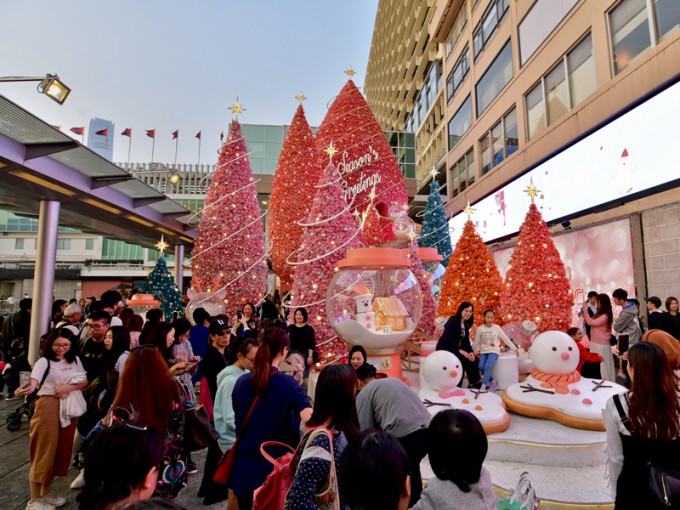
[(174, 64)]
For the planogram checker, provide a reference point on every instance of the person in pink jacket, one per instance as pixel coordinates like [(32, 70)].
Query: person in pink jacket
[(600, 335)]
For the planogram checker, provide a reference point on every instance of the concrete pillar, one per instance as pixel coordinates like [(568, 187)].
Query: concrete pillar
[(43, 276), (179, 266)]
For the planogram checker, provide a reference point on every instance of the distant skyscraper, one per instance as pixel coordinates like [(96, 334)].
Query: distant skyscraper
[(100, 137)]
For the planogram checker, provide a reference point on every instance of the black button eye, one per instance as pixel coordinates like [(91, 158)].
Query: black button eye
[(570, 348), (443, 368), (554, 348)]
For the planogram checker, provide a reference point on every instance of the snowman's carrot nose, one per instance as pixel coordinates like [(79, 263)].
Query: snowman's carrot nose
[(565, 356), (453, 373)]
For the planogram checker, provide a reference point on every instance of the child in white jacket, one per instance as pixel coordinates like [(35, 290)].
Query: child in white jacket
[(488, 338)]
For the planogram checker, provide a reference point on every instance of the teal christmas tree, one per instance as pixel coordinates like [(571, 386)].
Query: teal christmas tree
[(161, 284), (435, 231)]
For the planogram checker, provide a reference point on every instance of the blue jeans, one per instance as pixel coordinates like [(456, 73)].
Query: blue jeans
[(486, 362)]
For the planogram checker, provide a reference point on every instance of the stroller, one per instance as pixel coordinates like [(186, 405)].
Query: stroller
[(18, 357)]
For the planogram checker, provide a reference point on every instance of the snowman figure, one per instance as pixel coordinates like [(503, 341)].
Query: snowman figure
[(365, 315), (556, 390), (442, 371)]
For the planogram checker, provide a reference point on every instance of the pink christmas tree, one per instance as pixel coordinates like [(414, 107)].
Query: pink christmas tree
[(229, 252), (373, 227), (293, 190), (426, 322), (365, 159), (329, 231)]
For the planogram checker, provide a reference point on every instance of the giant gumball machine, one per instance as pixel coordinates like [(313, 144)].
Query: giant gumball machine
[(434, 270), (374, 300)]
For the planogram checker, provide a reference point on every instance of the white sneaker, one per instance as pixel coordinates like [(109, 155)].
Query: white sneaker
[(55, 501), (79, 482), (493, 386), (39, 504)]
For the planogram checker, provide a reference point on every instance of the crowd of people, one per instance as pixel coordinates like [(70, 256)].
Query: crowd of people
[(116, 393)]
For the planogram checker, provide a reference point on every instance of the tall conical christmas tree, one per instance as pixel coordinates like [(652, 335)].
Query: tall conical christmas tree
[(426, 322), (161, 284), (435, 231), (229, 252), (329, 231), (536, 286), (471, 275), (293, 190), (365, 158), (373, 227)]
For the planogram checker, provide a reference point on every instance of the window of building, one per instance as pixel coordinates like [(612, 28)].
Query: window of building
[(494, 79), (120, 250), (460, 122), (19, 243), (89, 244), (425, 98), (499, 142), (63, 244), (637, 25), (568, 83), (491, 19), (542, 18), (458, 74), (456, 29), (463, 173)]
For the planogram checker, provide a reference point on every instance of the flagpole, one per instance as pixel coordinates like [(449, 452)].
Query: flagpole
[(176, 144), (153, 145), (199, 151), (129, 147)]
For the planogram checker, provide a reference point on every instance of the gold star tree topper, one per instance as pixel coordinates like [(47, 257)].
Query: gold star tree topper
[(433, 173), (532, 190), (300, 97), (162, 245), (237, 108), (469, 210), (350, 72)]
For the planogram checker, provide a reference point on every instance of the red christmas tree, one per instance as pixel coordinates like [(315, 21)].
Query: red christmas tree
[(471, 275), (373, 227), (365, 158), (329, 231), (536, 285), (426, 323), (293, 190), (229, 252)]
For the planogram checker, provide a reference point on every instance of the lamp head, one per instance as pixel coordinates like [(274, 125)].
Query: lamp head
[(53, 88)]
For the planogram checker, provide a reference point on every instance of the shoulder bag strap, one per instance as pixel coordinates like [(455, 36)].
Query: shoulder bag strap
[(45, 374), (243, 426), (622, 414)]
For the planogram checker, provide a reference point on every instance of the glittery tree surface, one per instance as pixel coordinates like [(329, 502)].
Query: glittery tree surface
[(435, 232), (293, 190), (536, 286), (365, 158), (229, 252), (330, 230), (426, 322), (373, 227), (471, 275), (161, 284)]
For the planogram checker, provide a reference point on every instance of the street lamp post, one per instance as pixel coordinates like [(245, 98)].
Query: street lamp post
[(50, 85)]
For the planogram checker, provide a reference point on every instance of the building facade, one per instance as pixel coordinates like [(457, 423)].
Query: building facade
[(100, 135)]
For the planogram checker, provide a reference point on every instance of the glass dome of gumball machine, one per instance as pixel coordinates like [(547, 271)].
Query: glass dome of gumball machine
[(374, 301), (142, 303), (434, 270)]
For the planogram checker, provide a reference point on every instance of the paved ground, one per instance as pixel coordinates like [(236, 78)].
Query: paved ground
[(14, 466)]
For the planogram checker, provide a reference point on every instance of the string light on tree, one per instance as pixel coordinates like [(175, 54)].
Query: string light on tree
[(435, 231), (162, 285)]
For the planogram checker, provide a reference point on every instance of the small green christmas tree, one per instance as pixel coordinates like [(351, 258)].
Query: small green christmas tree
[(161, 284), (435, 232)]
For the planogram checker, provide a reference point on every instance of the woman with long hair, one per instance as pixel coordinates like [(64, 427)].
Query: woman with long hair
[(278, 404), (600, 335), (162, 337), (50, 443), (673, 309), (302, 338), (147, 394), (456, 339), (357, 356), (333, 419), (118, 474), (643, 428), (247, 323)]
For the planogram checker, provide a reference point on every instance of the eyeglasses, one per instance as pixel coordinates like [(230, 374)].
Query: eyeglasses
[(96, 325), (61, 346), (250, 359)]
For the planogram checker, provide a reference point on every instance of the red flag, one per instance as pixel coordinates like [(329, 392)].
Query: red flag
[(127, 132), (222, 136), (151, 133), (102, 132), (175, 134), (198, 135), (56, 127), (78, 130)]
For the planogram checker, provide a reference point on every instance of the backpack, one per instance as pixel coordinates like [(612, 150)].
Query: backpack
[(272, 493)]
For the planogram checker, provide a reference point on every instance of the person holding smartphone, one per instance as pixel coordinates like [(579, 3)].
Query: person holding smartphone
[(247, 323)]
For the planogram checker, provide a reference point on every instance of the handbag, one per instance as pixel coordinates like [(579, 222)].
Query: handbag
[(198, 431), (522, 497), (226, 463)]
